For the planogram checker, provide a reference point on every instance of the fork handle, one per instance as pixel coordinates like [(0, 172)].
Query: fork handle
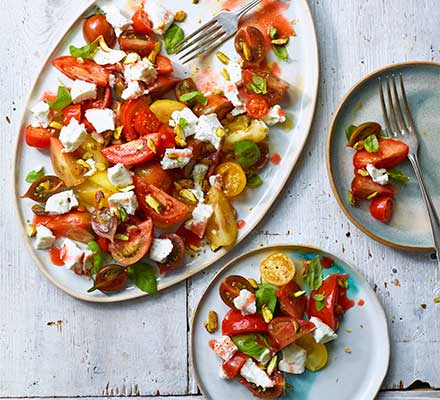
[(432, 212)]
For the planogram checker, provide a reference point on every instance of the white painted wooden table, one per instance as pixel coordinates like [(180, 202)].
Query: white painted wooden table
[(141, 347)]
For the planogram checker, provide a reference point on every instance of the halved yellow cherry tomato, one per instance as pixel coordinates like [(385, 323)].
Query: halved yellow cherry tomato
[(277, 269), (317, 354), (233, 176)]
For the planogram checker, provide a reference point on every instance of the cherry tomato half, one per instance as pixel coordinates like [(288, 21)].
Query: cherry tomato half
[(72, 111), (290, 302), (363, 186), (233, 178), (250, 44), (111, 278), (153, 174), (257, 106), (164, 66), (285, 330), (141, 22), (381, 208), (230, 288), (276, 87), (268, 393), (44, 187), (177, 254), (97, 25), (37, 136), (146, 122), (130, 41)]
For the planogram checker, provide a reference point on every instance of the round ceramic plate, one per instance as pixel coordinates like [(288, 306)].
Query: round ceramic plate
[(301, 71), (409, 228), (356, 375)]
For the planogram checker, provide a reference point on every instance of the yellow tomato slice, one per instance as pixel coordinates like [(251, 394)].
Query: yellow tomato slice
[(277, 269), (164, 108), (234, 178), (317, 354)]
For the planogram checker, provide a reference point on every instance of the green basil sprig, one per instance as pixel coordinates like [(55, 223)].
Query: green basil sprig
[(258, 85), (144, 277), (63, 99), (195, 95), (266, 295), (314, 274), (87, 52), (371, 144), (172, 37), (34, 175)]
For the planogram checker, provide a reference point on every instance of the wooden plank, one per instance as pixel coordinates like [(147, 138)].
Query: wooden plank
[(411, 395)]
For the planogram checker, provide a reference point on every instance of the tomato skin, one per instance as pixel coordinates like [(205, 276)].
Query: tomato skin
[(132, 153), (164, 66), (289, 304), (72, 111), (103, 243), (97, 25), (230, 288), (363, 186), (128, 114), (167, 138), (140, 236), (276, 87), (146, 122), (153, 174), (282, 331), (233, 366), (111, 278), (391, 153), (254, 38), (235, 323), (74, 225), (381, 208), (257, 106), (190, 239), (141, 23), (37, 136), (177, 254), (173, 210), (130, 41), (87, 70), (162, 85), (270, 393), (216, 104)]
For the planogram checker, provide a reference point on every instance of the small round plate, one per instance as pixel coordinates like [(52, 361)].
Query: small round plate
[(356, 375), (409, 228)]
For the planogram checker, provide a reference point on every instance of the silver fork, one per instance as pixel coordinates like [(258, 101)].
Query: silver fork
[(212, 34), (400, 124)]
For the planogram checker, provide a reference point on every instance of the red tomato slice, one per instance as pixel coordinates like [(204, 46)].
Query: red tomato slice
[(141, 23), (153, 174), (233, 366), (282, 331), (268, 393), (168, 138), (235, 323), (190, 239), (162, 85), (172, 211), (363, 186), (73, 111), (146, 122), (38, 137), (134, 152), (128, 114), (175, 258), (74, 225), (85, 70), (257, 106), (164, 66), (289, 304), (381, 208), (391, 153), (140, 235), (103, 243), (230, 288)]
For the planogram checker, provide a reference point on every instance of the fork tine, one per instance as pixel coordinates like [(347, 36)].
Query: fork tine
[(200, 37), (194, 34), (209, 48), (408, 114), (248, 7), (384, 109), (398, 106), (202, 47), (394, 124)]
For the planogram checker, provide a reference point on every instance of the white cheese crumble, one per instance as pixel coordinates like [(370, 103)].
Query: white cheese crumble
[(140, 71), (119, 176), (160, 249), (253, 374), (116, 19), (92, 164), (101, 119), (246, 302), (379, 176), (234, 72), (41, 114), (44, 238), (159, 15), (198, 174), (323, 333), (71, 254), (186, 119), (82, 90), (127, 200), (61, 203), (103, 57), (276, 115), (208, 130), (202, 212), (176, 158), (224, 347), (294, 359), (72, 136), (133, 90)]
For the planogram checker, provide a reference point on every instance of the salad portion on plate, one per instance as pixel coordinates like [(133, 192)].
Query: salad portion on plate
[(279, 325), (146, 163)]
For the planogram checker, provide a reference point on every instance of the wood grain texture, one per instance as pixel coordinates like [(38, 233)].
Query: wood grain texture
[(141, 347)]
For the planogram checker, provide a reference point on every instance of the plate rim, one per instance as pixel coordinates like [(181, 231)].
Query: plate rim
[(290, 246), (330, 137), (180, 278)]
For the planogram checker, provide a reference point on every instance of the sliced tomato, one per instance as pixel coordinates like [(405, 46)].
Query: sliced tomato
[(65, 165), (141, 23), (233, 366), (292, 303), (230, 288), (130, 41), (285, 330), (146, 122), (167, 138), (175, 258), (381, 208), (268, 393), (74, 225), (164, 66), (216, 104), (134, 152), (37, 136), (171, 210), (127, 116), (253, 38), (235, 323), (97, 25), (257, 106), (391, 153), (363, 186), (276, 87), (140, 235), (153, 173), (72, 111), (162, 85), (111, 278), (103, 243), (332, 311), (190, 239), (85, 70)]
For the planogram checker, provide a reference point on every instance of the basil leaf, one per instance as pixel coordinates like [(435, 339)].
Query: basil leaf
[(371, 144), (258, 85), (248, 345), (98, 257), (273, 33), (398, 176), (195, 95), (349, 131), (32, 176), (266, 295), (144, 277), (314, 274), (351, 198), (88, 51), (318, 297), (172, 37), (254, 181), (320, 301), (183, 123), (281, 52), (247, 153), (63, 99)]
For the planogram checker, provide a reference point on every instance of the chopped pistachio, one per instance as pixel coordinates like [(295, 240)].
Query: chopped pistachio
[(253, 283), (267, 314), (180, 136), (123, 216), (372, 195), (180, 16), (55, 125), (103, 44), (272, 365), (347, 350), (156, 50), (299, 293), (348, 330), (31, 230), (359, 145), (436, 299), (281, 41), (189, 196), (220, 132), (211, 324), (351, 198), (246, 51), (222, 57), (83, 164), (362, 172), (122, 237), (295, 326), (151, 145), (127, 188), (117, 132), (273, 33), (225, 74), (153, 203)]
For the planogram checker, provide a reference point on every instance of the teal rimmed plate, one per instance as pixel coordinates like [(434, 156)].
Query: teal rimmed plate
[(356, 375), (409, 228)]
